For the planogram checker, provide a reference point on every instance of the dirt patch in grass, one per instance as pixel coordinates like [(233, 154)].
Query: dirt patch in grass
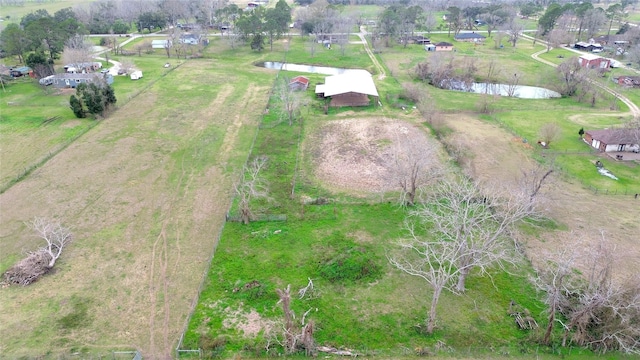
[(250, 324), (355, 155), (495, 155)]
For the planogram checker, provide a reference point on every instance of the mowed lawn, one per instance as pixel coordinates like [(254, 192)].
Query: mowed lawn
[(34, 124), (145, 193)]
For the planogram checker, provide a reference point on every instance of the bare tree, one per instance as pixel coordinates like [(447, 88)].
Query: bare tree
[(570, 75), (291, 101), (430, 22), (512, 85), (557, 37), (533, 180), (478, 222), (498, 37), (77, 53), (251, 186), (431, 260), (514, 29), (127, 66), (342, 26), (414, 166), (294, 338), (313, 44), (600, 313), (549, 133), (556, 278), (41, 261)]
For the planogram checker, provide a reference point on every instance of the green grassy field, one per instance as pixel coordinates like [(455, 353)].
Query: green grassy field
[(156, 175), (13, 14), (146, 192), (384, 306)]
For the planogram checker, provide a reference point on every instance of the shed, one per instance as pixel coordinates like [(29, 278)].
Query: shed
[(609, 140), (626, 80), (349, 89), (592, 61), (299, 83), (136, 75), (71, 80), (430, 47), (444, 46), (160, 44), (469, 37), (21, 71)]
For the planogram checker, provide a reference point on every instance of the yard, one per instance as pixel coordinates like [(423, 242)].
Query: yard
[(146, 192)]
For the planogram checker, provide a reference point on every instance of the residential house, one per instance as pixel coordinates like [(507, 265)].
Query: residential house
[(72, 80), (299, 83), (349, 89), (630, 81), (588, 46), (469, 37), (592, 61), (609, 140), (444, 46), (83, 67), (618, 40), (160, 44), (191, 39)]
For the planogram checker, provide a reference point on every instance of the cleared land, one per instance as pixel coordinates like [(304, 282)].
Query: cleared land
[(145, 193)]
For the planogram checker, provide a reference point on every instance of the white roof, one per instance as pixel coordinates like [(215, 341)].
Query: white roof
[(359, 82), (590, 57)]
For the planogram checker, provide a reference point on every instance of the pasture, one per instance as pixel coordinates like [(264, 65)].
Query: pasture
[(145, 193)]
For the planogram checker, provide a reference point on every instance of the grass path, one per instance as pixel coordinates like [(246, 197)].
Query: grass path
[(373, 58)]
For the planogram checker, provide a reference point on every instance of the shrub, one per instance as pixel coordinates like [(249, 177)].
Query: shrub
[(350, 266)]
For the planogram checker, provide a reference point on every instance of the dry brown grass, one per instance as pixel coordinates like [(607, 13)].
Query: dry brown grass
[(355, 155), (497, 156), (144, 221)]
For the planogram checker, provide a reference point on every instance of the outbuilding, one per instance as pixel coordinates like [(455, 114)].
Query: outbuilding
[(299, 83), (160, 44), (591, 61), (349, 89), (21, 71), (444, 46), (136, 75)]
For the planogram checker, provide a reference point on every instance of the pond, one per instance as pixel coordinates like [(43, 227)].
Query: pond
[(326, 70), (519, 91)]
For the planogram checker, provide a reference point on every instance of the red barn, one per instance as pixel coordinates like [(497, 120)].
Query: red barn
[(591, 61)]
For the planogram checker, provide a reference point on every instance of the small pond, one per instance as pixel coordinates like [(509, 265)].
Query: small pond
[(519, 91), (326, 70)]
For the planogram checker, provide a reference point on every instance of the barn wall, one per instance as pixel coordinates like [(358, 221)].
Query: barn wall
[(350, 99)]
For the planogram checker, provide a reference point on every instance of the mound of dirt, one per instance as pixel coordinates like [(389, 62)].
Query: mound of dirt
[(359, 155)]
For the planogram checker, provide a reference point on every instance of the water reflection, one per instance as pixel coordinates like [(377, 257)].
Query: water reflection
[(326, 70), (519, 91)]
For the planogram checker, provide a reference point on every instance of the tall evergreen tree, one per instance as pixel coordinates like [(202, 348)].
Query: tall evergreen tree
[(76, 106)]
